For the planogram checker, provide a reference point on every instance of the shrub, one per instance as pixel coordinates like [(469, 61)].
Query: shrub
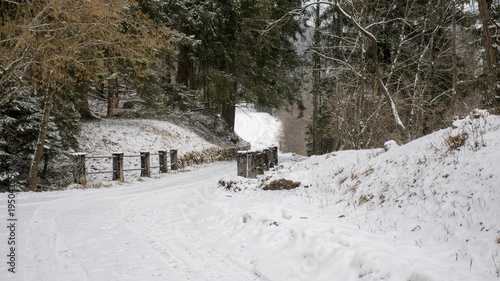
[(281, 184), (207, 155), (365, 198), (454, 142)]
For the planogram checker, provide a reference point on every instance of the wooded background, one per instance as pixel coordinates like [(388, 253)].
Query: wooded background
[(373, 70)]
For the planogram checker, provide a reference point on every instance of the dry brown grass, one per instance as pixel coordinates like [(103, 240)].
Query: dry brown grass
[(365, 198), (281, 184), (343, 179), (229, 185), (207, 155), (368, 171), (454, 142), (354, 187)]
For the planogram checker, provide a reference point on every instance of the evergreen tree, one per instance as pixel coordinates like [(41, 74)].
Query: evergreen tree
[(224, 55), (20, 122)]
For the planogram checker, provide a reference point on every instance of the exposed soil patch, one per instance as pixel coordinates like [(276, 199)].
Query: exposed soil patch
[(281, 184), (229, 185)]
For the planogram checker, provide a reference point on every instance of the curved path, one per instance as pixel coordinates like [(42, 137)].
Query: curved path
[(130, 232)]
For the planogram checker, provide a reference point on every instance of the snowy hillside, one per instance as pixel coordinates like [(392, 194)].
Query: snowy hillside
[(131, 136), (427, 210), (135, 135), (422, 211)]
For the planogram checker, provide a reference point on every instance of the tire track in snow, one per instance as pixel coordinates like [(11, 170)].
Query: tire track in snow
[(45, 245), (91, 234), (159, 219)]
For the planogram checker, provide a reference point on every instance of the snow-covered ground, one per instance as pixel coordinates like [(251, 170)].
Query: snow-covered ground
[(134, 135), (419, 211), (131, 136), (260, 129)]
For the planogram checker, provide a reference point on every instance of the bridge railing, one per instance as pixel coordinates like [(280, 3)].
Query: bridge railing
[(252, 163), (80, 171)]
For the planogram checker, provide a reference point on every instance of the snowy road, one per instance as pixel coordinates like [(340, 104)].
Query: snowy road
[(133, 232), (416, 212)]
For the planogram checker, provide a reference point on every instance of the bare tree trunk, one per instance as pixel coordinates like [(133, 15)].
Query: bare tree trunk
[(33, 173), (85, 111), (111, 98), (490, 65), (82, 88), (315, 149), (184, 67), (116, 99), (46, 160), (228, 114), (454, 59), (229, 108)]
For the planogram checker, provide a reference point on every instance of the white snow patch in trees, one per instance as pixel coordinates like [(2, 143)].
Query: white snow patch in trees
[(260, 129)]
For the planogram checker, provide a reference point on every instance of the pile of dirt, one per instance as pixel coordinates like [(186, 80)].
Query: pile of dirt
[(281, 184), (229, 185)]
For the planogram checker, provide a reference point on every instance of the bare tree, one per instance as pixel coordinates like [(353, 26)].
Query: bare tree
[(335, 4), (492, 96), (64, 42)]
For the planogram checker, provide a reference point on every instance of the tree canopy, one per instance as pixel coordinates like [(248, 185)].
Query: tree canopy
[(49, 46), (225, 56), (423, 62)]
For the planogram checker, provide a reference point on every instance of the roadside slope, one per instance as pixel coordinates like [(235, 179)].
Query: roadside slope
[(135, 135), (427, 210), (131, 136)]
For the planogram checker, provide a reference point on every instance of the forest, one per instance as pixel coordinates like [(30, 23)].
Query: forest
[(373, 70)]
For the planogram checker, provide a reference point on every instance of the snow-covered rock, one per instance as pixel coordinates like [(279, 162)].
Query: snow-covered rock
[(390, 145)]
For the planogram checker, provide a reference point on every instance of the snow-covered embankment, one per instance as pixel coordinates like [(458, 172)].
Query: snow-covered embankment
[(427, 210)]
